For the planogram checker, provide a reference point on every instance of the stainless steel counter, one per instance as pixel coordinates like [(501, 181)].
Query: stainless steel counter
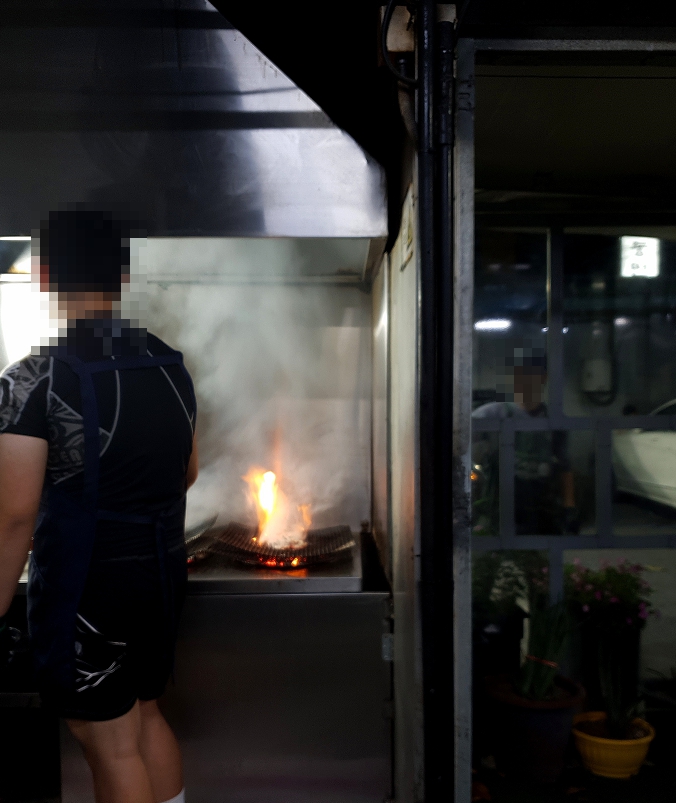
[(331, 578), (282, 689), (282, 698)]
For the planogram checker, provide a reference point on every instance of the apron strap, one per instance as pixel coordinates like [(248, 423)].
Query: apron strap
[(92, 441)]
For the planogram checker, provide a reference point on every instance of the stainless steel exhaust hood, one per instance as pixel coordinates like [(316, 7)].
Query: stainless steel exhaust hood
[(176, 115)]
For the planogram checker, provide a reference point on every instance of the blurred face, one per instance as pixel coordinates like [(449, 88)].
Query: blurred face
[(70, 305), (529, 386), (86, 304)]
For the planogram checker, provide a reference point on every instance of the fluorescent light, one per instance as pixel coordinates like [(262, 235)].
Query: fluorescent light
[(19, 239), (640, 256), (622, 321), (493, 325)]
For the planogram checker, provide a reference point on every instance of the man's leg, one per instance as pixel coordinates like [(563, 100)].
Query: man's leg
[(113, 752), (161, 753)]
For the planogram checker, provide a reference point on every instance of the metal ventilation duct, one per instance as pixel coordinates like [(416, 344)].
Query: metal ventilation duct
[(175, 114)]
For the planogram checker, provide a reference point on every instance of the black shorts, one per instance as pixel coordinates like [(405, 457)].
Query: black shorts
[(126, 629)]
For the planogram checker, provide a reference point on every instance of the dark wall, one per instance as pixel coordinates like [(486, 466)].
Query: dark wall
[(575, 13), (595, 131)]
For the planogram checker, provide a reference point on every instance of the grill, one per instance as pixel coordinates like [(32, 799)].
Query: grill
[(237, 542)]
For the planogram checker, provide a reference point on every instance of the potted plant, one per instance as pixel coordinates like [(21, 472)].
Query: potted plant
[(533, 711), (505, 585), (498, 586), (611, 605)]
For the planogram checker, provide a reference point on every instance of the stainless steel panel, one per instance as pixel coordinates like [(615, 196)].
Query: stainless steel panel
[(404, 324), (380, 451), (463, 268), (269, 260), (328, 579), (282, 699), (179, 117)]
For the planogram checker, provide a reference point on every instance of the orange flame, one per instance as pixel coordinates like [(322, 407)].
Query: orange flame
[(279, 523), (305, 513), (267, 493)]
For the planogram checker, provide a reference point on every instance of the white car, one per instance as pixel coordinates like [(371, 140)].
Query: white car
[(644, 461)]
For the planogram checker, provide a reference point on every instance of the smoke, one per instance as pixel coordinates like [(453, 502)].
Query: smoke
[(282, 375)]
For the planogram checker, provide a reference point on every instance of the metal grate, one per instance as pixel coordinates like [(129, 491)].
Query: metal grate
[(239, 543)]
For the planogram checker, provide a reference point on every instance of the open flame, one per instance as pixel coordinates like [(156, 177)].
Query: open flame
[(280, 523), (267, 494)]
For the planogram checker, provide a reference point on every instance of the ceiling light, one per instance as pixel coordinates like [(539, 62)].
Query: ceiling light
[(493, 325)]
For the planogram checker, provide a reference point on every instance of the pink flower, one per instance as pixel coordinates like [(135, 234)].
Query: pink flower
[(614, 599), (630, 621), (585, 608), (577, 562), (642, 610), (598, 595), (588, 587), (545, 570)]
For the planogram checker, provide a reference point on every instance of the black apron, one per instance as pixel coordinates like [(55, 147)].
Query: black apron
[(65, 535)]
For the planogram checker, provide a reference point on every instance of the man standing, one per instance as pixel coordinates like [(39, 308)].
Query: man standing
[(97, 448), (544, 490)]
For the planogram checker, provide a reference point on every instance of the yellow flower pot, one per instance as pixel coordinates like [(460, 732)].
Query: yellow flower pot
[(611, 758)]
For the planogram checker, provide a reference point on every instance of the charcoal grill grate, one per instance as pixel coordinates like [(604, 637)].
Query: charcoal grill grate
[(240, 543)]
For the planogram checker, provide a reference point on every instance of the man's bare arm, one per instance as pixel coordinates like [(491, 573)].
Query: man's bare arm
[(23, 460)]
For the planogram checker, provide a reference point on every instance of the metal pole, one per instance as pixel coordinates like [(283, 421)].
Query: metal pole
[(463, 281), (555, 326), (446, 277), (437, 733)]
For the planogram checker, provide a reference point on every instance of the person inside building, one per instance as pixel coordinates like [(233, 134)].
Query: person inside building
[(544, 490), (97, 451)]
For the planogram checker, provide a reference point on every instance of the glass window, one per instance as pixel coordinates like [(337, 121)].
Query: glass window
[(656, 568), (554, 483), (510, 313), (644, 481), (485, 480), (620, 327)]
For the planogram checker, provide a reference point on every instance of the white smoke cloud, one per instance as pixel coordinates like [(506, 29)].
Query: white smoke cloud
[(282, 374)]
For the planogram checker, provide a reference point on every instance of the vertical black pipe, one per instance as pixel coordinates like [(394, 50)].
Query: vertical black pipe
[(435, 142), (443, 552)]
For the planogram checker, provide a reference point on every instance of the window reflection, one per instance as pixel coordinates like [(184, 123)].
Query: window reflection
[(644, 479), (510, 308), (620, 360), (485, 481), (621, 346)]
